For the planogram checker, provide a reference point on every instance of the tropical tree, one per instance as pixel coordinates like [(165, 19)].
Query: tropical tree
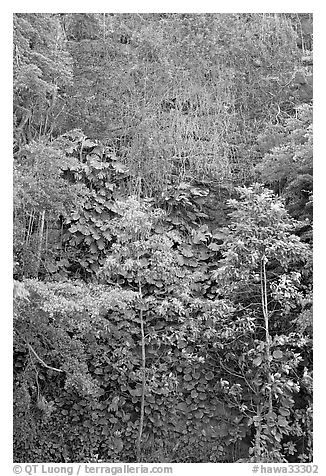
[(264, 273)]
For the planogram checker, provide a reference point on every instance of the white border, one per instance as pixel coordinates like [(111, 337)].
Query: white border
[(319, 187)]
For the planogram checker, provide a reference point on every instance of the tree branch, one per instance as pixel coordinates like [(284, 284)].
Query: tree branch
[(42, 361)]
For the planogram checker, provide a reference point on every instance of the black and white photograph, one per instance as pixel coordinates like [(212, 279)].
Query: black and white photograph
[(162, 241)]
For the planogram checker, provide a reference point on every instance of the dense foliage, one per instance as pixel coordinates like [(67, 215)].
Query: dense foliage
[(162, 237)]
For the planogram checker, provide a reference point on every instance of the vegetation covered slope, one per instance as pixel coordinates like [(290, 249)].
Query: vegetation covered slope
[(162, 237)]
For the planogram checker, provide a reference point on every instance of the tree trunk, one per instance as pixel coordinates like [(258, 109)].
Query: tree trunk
[(39, 253), (267, 336), (143, 370)]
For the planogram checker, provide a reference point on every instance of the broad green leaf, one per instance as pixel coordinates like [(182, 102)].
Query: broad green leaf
[(257, 361), (277, 354)]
